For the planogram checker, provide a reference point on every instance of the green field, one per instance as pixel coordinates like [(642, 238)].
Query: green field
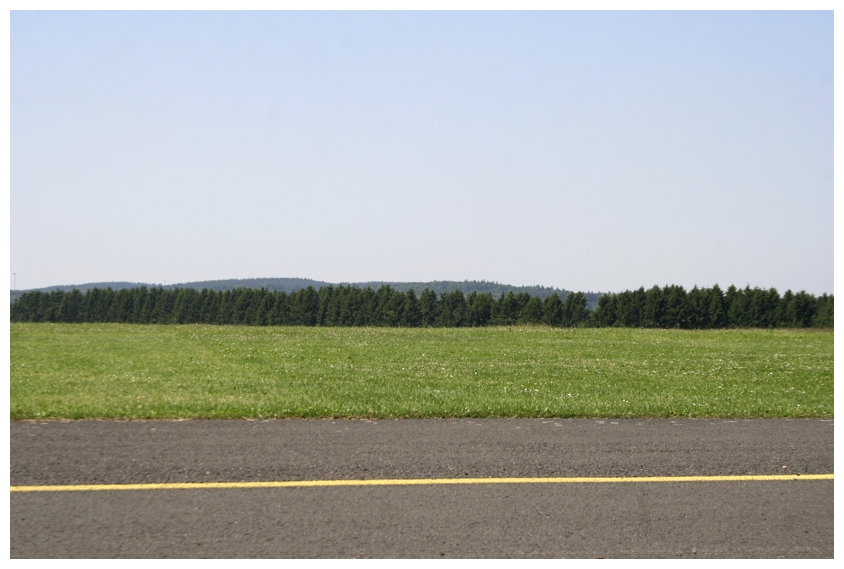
[(191, 371)]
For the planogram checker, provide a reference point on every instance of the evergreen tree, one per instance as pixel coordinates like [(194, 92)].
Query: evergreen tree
[(653, 310), (120, 307), (214, 308), (181, 307), (70, 308), (553, 310), (458, 308), (365, 306), (253, 315), (717, 316), (675, 307), (428, 307), (532, 312), (735, 303), (280, 314), (824, 315), (241, 297), (508, 311), (308, 306), (140, 310), (805, 306), (604, 315), (411, 315), (626, 311), (574, 310), (449, 313), (696, 309), (479, 309)]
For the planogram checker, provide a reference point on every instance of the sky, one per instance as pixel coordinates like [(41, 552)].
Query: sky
[(593, 151)]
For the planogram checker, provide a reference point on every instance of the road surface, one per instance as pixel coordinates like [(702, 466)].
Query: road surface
[(712, 518)]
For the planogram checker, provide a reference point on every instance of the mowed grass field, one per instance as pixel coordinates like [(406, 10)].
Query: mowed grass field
[(168, 371)]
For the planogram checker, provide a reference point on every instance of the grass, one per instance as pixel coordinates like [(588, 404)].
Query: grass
[(137, 371)]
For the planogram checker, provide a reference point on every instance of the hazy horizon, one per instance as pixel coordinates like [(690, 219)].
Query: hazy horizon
[(723, 286), (588, 151)]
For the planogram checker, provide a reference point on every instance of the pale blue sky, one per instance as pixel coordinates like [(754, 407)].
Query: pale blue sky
[(585, 150)]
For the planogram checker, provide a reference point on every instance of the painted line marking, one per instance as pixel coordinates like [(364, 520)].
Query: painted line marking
[(414, 482)]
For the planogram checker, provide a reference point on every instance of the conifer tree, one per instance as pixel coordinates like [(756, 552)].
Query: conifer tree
[(458, 308), (479, 309), (696, 309), (805, 306), (574, 309), (653, 310), (552, 310), (410, 310), (308, 306), (428, 307), (735, 305), (604, 315), (280, 314), (824, 315), (532, 312), (508, 311), (717, 316), (675, 307)]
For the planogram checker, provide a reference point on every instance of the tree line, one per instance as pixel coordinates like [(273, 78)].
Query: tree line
[(667, 307), (700, 308)]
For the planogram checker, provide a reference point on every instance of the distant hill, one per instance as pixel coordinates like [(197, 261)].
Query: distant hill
[(14, 294), (472, 286), (292, 285), (279, 285)]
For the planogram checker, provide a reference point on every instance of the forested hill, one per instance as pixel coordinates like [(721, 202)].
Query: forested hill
[(292, 285), (15, 294), (275, 285), (479, 287)]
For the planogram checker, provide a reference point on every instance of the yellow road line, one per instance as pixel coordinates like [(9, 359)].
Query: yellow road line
[(413, 482)]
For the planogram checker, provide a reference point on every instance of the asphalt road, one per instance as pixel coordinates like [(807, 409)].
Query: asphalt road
[(664, 519)]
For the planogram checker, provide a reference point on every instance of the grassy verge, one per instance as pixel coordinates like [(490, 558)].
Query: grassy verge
[(134, 371)]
